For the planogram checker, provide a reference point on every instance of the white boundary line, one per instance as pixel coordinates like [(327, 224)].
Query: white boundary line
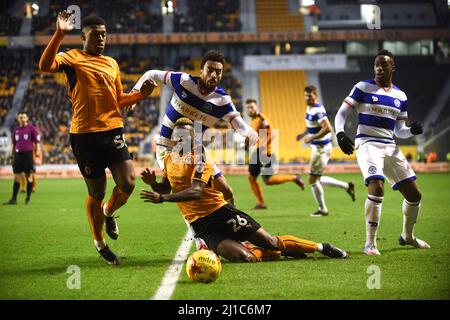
[(170, 279)]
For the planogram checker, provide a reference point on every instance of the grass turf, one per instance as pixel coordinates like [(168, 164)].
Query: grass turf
[(40, 241)]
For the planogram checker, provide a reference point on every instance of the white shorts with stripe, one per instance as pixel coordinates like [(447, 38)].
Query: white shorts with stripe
[(319, 158), (378, 160)]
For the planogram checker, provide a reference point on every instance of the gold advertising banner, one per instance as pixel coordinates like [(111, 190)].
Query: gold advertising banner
[(237, 37)]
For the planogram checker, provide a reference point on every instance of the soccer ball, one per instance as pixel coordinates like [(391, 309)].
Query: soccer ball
[(203, 266)]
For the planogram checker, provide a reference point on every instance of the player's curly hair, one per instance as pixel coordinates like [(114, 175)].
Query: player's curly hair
[(183, 122), (311, 89), (212, 55), (385, 52), (92, 20)]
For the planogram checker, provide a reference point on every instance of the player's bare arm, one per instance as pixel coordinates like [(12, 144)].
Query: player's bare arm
[(47, 62), (324, 130), (149, 177), (301, 135), (195, 192)]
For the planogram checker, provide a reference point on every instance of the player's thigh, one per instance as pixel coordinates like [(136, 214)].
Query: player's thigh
[(269, 166), (398, 170), (234, 251), (90, 151), (370, 157), (116, 148), (319, 159), (263, 239), (123, 175)]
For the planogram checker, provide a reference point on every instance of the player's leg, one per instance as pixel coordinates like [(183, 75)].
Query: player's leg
[(18, 171), (34, 181), (119, 162), (293, 246), (29, 189), (316, 167), (270, 177), (403, 178), (23, 184), (29, 167), (370, 158), (254, 169), (234, 251)]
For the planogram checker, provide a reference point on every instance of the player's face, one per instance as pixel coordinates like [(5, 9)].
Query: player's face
[(23, 119), (184, 135), (383, 68), (252, 109), (94, 39), (310, 98), (211, 74)]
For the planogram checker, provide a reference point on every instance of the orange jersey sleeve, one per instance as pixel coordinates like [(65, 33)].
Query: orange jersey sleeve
[(93, 83)]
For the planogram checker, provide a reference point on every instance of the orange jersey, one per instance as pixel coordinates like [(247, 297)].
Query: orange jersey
[(258, 123), (181, 175), (93, 86)]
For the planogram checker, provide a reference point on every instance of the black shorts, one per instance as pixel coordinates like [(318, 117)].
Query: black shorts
[(225, 223), (98, 150), (257, 165), (23, 162)]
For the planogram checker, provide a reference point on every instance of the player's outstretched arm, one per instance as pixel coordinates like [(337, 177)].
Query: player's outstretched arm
[(149, 177), (47, 62), (244, 129), (195, 192), (345, 143)]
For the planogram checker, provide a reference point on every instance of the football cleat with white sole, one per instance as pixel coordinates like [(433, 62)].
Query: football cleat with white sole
[(420, 244), (333, 252), (371, 250), (318, 213), (108, 256)]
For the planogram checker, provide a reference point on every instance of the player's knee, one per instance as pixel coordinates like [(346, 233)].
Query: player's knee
[(376, 188), (99, 195), (415, 196), (247, 256), (128, 184)]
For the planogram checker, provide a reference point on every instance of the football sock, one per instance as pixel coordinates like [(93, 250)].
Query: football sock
[(319, 247), (29, 189), (296, 244), (16, 187), (280, 178), (23, 183), (118, 198), (373, 216), (99, 245), (265, 254), (410, 212), (34, 183), (96, 218), (331, 182), (256, 189), (317, 192)]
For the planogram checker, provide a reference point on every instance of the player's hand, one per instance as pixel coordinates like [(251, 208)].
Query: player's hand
[(64, 22), (299, 136), (308, 139), (147, 88), (150, 196), (345, 143), (37, 161), (416, 128), (149, 177)]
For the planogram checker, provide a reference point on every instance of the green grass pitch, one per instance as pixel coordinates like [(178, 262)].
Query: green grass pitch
[(40, 241)]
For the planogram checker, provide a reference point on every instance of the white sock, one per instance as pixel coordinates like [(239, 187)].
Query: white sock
[(373, 216), (410, 212), (319, 247), (100, 244), (317, 191), (332, 182)]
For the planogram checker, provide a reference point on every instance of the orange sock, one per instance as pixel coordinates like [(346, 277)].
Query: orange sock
[(34, 182), (265, 255), (23, 183), (296, 244), (118, 198), (95, 216), (256, 189), (280, 178)]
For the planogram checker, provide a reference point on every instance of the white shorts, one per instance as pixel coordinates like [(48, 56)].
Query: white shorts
[(380, 160), (161, 152), (319, 158)]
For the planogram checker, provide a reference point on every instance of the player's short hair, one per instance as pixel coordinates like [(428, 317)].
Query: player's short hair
[(22, 112), (92, 20), (251, 100), (184, 122), (385, 52), (212, 55), (311, 89)]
